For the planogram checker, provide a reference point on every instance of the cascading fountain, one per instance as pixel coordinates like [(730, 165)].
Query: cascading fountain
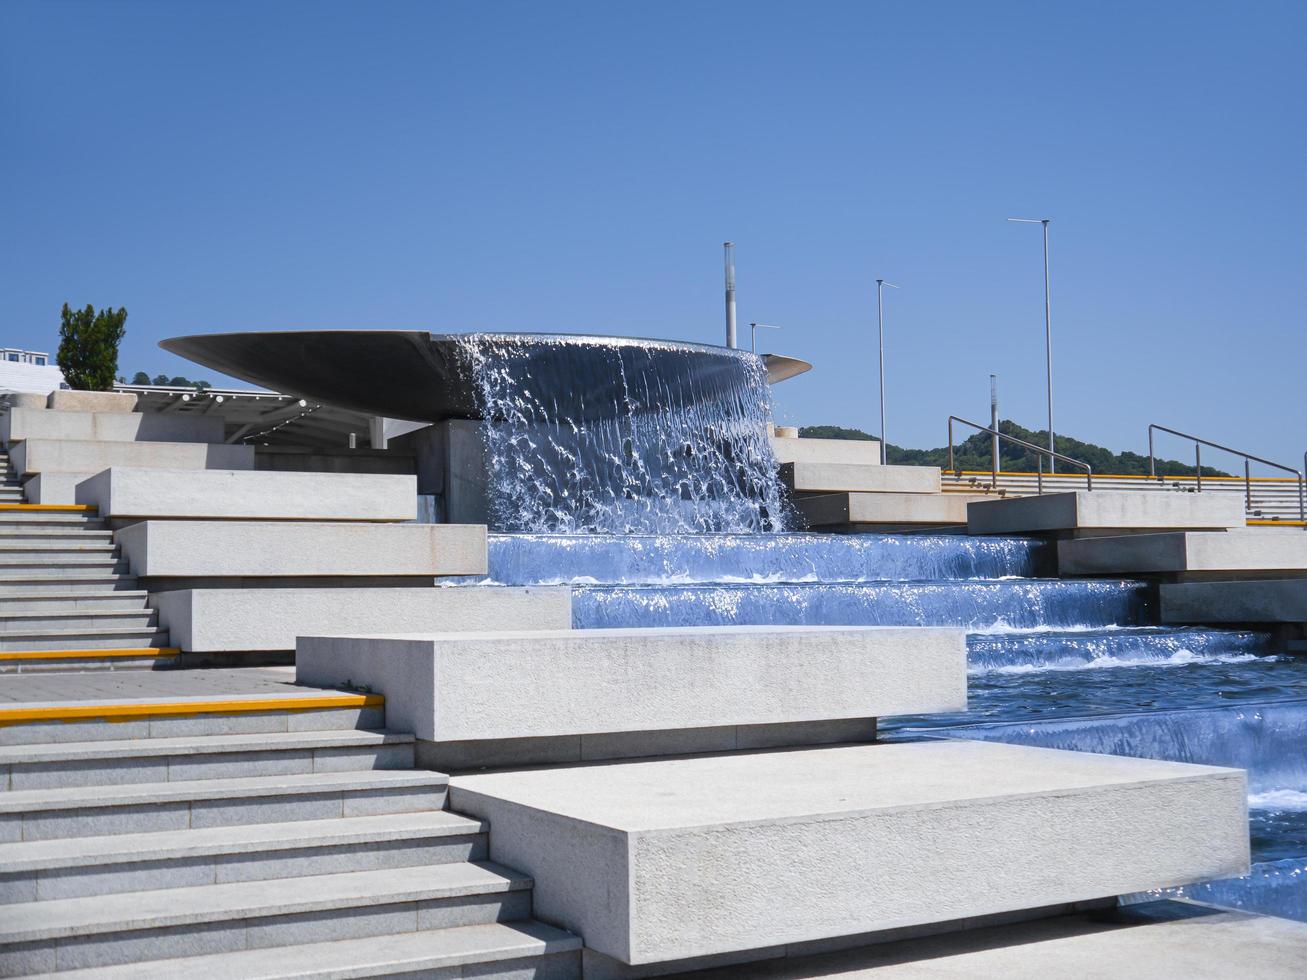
[(598, 435), (640, 473)]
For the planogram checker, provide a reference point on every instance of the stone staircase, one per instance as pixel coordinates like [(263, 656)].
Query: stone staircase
[(66, 598), (241, 839)]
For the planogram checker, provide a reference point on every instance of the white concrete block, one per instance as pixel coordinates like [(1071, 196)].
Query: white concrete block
[(250, 495), (892, 509), (236, 620), (1250, 601), (863, 452), (859, 477), (231, 549), (86, 456), (25, 399), (1251, 551), (1105, 510), (67, 400), (55, 488), (502, 685), (29, 423), (671, 859)]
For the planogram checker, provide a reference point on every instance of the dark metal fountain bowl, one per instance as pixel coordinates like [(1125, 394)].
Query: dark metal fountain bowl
[(413, 374)]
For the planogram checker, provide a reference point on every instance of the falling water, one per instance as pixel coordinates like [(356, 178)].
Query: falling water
[(592, 434)]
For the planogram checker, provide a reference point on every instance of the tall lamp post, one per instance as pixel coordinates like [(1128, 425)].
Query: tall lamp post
[(753, 333), (729, 249), (1048, 335), (880, 323)]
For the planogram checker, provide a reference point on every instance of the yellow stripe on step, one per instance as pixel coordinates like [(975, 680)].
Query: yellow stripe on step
[(182, 709), (139, 653)]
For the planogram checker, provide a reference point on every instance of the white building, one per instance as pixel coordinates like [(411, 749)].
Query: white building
[(28, 370)]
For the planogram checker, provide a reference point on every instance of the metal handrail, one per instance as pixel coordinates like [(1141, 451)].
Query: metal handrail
[(1248, 460), (1041, 452)]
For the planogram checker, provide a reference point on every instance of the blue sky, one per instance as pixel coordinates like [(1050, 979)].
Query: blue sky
[(575, 167)]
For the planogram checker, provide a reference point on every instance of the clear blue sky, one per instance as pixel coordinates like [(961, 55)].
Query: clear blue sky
[(576, 166)]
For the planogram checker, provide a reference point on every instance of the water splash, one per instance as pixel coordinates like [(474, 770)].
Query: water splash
[(624, 436), (1039, 650), (1273, 888), (554, 559), (969, 604)]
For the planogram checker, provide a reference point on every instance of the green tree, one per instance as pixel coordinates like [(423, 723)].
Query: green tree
[(88, 347), (140, 378)]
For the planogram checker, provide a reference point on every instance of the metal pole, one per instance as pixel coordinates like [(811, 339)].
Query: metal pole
[(753, 338), (880, 323), (995, 449), (1048, 348), (729, 249)]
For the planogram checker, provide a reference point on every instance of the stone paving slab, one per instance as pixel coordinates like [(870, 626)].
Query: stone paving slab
[(1162, 939)]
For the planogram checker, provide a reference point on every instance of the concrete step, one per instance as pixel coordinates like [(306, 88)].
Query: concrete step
[(137, 715), (82, 620), (47, 814), (79, 583), (61, 563), (859, 477), (85, 638), (73, 933), (32, 871), (1082, 512), (1189, 555), (731, 854), (42, 517), (497, 951), (148, 760), (128, 658), (41, 550), (75, 601), (22, 533), (882, 511), (53, 870)]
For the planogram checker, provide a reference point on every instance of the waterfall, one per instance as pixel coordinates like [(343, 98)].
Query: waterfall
[(669, 559), (592, 434)]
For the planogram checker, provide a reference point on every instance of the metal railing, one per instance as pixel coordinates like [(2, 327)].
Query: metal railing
[(1248, 460), (1040, 451)]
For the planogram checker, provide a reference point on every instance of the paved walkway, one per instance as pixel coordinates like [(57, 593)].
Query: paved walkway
[(70, 687), (1160, 939)]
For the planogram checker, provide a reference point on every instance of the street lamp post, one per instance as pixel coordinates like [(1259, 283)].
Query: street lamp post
[(1048, 334), (753, 333), (880, 323)]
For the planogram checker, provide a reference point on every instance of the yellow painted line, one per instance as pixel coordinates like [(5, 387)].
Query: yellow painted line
[(1079, 475), (55, 508), (88, 654), (1266, 522), (182, 709)]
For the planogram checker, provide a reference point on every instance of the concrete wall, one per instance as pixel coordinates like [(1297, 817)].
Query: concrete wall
[(673, 859), (540, 685), (54, 488), (888, 509), (1105, 510), (249, 495), (27, 423), (85, 456), (297, 459), (1276, 601), (225, 549), (245, 620), (66, 400), (451, 467), (863, 452), (1252, 552)]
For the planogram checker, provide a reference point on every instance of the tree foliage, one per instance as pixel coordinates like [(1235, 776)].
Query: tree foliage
[(88, 347), (973, 453)]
